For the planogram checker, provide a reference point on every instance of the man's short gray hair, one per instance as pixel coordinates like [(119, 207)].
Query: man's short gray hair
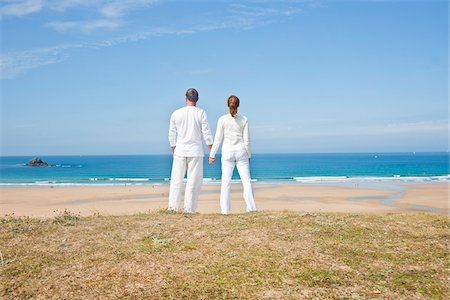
[(192, 95)]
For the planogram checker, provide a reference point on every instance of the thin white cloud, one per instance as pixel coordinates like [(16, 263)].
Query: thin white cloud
[(247, 17), (257, 11), (19, 8), (85, 26), (404, 128), (105, 8), (111, 13), (420, 127), (63, 5), (138, 36), (25, 126), (17, 62), (115, 9)]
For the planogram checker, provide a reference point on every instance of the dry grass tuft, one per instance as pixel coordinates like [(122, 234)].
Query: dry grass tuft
[(67, 218), (273, 255)]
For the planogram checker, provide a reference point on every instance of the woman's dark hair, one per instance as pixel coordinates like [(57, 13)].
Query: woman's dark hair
[(233, 104)]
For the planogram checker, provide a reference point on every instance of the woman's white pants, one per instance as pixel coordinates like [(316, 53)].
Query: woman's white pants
[(194, 166), (241, 161)]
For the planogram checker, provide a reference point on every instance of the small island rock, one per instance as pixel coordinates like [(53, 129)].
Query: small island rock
[(37, 162)]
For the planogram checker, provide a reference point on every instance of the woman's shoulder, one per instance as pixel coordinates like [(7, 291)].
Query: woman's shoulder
[(229, 118), (243, 118), (224, 117)]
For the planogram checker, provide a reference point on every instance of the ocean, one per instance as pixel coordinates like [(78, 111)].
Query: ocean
[(155, 169)]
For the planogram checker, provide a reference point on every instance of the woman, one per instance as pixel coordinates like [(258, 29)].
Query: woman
[(233, 129)]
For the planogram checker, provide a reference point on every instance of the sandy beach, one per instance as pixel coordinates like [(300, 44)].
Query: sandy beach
[(46, 201)]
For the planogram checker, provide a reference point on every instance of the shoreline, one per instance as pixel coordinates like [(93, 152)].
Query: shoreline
[(366, 197), (325, 180)]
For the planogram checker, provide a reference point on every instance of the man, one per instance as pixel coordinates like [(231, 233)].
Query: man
[(187, 126)]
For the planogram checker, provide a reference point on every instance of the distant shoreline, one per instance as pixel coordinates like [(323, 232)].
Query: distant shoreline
[(321, 180)]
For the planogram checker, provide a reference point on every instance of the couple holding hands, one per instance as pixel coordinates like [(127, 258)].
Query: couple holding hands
[(187, 127)]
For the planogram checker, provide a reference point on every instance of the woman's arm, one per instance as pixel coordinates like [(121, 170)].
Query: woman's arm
[(217, 139), (246, 137)]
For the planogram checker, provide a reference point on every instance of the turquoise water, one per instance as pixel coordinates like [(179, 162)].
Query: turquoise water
[(155, 169)]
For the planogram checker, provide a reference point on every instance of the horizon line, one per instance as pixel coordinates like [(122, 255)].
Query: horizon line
[(256, 153)]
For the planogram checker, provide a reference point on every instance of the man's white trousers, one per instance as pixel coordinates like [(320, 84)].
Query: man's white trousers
[(194, 167)]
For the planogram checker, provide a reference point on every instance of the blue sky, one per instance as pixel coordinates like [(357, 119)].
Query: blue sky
[(102, 77)]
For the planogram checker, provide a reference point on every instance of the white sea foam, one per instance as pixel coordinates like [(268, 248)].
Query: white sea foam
[(209, 179), (118, 179), (213, 180), (395, 178), (131, 179), (321, 178), (44, 184), (110, 181), (73, 184)]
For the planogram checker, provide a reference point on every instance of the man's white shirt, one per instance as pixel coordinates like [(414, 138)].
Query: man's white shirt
[(187, 126)]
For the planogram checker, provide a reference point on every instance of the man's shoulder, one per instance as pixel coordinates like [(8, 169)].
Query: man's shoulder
[(201, 113), (200, 110), (177, 111), (181, 111)]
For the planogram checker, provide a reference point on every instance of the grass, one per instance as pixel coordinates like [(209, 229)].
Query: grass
[(257, 255)]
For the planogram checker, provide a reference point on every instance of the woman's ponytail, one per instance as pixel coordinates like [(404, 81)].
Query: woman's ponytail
[(233, 104)]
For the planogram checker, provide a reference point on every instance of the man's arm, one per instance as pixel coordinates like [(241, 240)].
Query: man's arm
[(172, 133), (206, 131)]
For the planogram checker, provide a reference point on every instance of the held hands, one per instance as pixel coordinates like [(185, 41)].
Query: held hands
[(211, 160)]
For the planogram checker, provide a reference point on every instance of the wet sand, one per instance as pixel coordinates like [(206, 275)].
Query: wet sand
[(46, 201)]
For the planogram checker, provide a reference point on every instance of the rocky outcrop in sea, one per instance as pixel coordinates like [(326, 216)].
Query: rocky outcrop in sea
[(37, 162)]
